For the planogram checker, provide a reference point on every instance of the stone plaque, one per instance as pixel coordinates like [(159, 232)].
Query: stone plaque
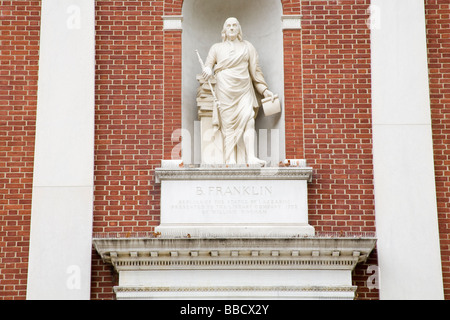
[(234, 201), (252, 205)]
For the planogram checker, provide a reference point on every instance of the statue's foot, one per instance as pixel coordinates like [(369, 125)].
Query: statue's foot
[(254, 160)]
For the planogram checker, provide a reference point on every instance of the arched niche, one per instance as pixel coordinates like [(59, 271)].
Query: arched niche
[(262, 26)]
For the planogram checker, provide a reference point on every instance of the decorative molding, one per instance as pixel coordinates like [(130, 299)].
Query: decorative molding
[(222, 172), (236, 288), (237, 292), (303, 263), (141, 262), (291, 22), (172, 22), (249, 254)]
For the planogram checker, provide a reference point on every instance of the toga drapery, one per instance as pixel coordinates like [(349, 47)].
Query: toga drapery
[(238, 74)]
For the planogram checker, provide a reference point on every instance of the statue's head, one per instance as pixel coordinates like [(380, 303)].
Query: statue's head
[(231, 30)]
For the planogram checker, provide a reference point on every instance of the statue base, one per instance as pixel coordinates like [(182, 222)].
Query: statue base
[(255, 268), (234, 233), (233, 201)]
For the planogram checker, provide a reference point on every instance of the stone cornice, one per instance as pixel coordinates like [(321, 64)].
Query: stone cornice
[(248, 253), (234, 173)]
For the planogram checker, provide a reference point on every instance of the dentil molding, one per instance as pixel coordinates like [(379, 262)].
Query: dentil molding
[(233, 173), (308, 253)]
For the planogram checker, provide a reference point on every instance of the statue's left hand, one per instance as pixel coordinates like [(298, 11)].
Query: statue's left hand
[(268, 94)]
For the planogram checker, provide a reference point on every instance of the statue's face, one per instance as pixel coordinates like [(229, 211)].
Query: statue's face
[(231, 28)]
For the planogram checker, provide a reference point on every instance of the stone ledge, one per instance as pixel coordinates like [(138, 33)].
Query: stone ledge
[(233, 173), (173, 22), (246, 292), (291, 22), (250, 253), (236, 230), (237, 288)]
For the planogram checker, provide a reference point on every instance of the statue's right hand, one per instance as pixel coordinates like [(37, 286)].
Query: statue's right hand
[(207, 72)]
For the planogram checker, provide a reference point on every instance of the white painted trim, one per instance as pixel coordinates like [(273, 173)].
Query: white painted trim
[(306, 292), (291, 22), (173, 22)]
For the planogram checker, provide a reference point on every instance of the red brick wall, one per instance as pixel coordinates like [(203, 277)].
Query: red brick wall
[(19, 55), (337, 115), (438, 41), (172, 90), (293, 106), (130, 112), (293, 99)]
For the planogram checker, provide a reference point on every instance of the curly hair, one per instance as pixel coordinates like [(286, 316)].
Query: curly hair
[(224, 31)]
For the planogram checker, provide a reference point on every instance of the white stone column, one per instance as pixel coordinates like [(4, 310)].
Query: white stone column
[(405, 196), (62, 202)]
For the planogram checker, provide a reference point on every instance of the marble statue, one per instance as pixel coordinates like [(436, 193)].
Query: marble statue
[(234, 62)]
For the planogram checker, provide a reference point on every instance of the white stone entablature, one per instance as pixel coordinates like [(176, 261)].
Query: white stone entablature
[(296, 268), (228, 253)]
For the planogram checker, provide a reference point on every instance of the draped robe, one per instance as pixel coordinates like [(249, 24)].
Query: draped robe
[(238, 74)]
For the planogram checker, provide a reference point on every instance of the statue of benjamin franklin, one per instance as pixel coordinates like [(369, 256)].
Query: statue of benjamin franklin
[(235, 64)]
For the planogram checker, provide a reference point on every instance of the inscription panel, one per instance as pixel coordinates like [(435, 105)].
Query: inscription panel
[(234, 202)]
